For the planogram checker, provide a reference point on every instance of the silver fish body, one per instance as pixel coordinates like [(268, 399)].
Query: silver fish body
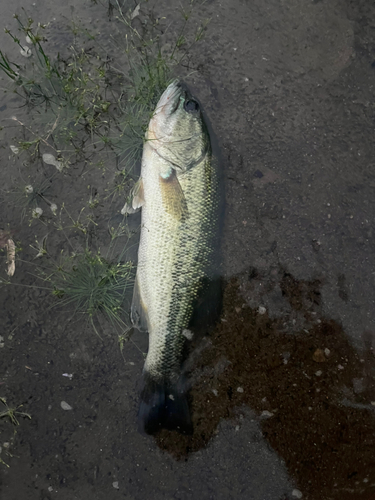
[(178, 192)]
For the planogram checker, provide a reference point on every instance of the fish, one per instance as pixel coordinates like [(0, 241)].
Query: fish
[(178, 196)]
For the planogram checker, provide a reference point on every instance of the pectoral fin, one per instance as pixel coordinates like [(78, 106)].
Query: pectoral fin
[(173, 197), (138, 311), (135, 199)]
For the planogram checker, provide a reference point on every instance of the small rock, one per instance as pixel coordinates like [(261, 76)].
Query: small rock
[(297, 493), (318, 373), (340, 367), (25, 52), (327, 352), (266, 414), (115, 485), (239, 389), (51, 160), (188, 334), (319, 356), (65, 406), (262, 310)]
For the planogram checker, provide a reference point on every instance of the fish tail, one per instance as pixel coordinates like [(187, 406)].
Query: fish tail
[(163, 406)]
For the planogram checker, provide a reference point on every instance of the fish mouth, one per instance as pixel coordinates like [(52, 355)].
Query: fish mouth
[(170, 99)]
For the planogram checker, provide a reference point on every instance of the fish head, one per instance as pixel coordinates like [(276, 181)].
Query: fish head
[(177, 131)]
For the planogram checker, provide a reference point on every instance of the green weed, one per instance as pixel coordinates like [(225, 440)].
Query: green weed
[(94, 285), (12, 413)]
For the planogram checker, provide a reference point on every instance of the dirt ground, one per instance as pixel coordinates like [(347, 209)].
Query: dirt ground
[(283, 387)]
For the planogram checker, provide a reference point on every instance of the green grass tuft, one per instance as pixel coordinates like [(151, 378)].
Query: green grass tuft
[(94, 286)]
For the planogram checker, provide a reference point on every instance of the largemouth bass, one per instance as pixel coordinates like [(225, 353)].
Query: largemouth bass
[(178, 193)]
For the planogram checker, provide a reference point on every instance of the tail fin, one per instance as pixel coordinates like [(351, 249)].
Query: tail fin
[(163, 407)]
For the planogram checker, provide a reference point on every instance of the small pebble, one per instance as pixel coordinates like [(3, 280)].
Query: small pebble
[(239, 389), (50, 488), (65, 406), (266, 413), (26, 52), (340, 367), (318, 373), (115, 485), (262, 310), (215, 392), (297, 493), (51, 160), (188, 334), (327, 352), (319, 356), (15, 150)]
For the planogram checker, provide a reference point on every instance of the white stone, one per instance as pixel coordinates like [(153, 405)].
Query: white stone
[(297, 493), (65, 406)]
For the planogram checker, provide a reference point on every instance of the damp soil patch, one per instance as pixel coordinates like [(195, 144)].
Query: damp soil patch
[(311, 391)]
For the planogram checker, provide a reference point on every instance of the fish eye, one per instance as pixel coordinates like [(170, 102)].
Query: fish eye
[(191, 106)]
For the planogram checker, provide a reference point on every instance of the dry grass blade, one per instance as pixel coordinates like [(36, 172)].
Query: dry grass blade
[(11, 257)]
